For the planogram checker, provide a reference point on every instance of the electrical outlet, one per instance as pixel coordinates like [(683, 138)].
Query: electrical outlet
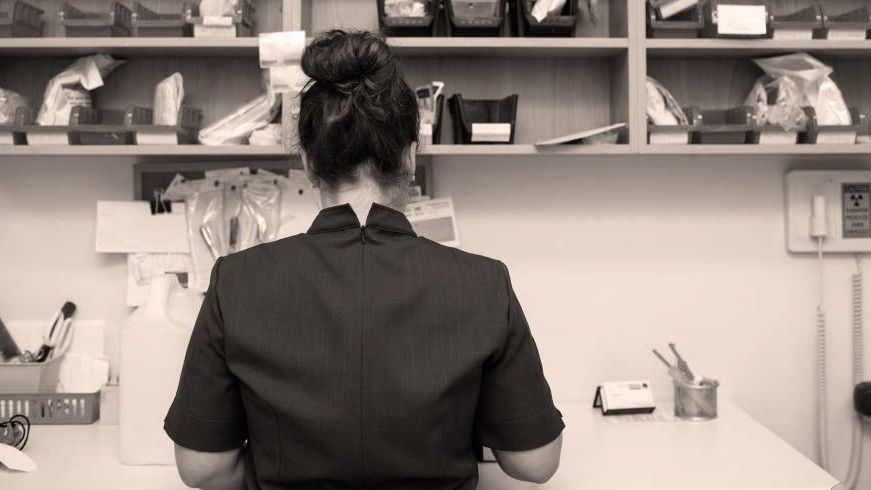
[(848, 210)]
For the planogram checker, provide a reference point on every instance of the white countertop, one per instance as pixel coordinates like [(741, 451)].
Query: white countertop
[(599, 452)]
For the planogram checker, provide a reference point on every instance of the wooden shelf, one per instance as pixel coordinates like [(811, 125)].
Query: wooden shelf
[(860, 149), (145, 150), (130, 46), (508, 47), (520, 150), (753, 47)]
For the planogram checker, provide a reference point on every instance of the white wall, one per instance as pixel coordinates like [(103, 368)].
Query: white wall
[(608, 256)]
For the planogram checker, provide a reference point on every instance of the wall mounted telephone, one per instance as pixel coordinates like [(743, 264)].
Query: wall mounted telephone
[(839, 201), (830, 212)]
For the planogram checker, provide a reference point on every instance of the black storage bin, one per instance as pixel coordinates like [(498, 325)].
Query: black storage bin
[(686, 24), (466, 113), (802, 24), (16, 130), (561, 24), (712, 20), (90, 126), (425, 26), (23, 20), (243, 21), (726, 127), (115, 22), (475, 17), (678, 134), (148, 23), (847, 25), (146, 132), (824, 134)]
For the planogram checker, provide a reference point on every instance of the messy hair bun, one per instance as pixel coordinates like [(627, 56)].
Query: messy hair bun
[(357, 110)]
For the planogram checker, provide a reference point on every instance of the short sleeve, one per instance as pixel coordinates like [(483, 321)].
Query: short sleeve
[(515, 409), (207, 412)]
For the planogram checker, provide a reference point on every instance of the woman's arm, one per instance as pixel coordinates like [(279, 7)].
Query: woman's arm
[(536, 465), (211, 471)]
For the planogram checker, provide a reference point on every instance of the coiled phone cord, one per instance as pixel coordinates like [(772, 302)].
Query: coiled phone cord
[(858, 374), (822, 375)]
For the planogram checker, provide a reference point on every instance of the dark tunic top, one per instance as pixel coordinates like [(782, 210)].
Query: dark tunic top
[(361, 357)]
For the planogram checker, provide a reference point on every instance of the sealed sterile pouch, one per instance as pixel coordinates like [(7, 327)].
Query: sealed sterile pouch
[(205, 220), (232, 213), (543, 8), (238, 126), (69, 88), (218, 8), (662, 108), (777, 101), (299, 203), (9, 103), (405, 8), (168, 96), (261, 210), (816, 88)]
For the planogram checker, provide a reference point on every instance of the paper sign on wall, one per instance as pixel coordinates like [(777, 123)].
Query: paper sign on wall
[(742, 20), (129, 227)]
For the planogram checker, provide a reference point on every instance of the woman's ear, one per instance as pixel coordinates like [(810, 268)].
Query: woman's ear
[(411, 159)]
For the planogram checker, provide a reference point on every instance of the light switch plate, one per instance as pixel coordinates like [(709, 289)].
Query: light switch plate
[(848, 212)]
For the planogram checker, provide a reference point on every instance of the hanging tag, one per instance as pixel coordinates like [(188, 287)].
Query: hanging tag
[(491, 132), (281, 48), (742, 20)]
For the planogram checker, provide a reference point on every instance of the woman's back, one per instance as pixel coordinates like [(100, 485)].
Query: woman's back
[(359, 356)]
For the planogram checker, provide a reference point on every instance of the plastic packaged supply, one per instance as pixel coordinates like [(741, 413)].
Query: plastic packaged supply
[(260, 215), (662, 108), (543, 8), (777, 101), (237, 127), (69, 88), (9, 103), (218, 8), (168, 96), (404, 8), (205, 213), (815, 88), (269, 135)]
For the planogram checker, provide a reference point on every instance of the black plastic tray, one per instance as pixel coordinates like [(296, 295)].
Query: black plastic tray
[(815, 131), (686, 24), (466, 112), (725, 126), (148, 23), (694, 120), (116, 21), (854, 20), (23, 20), (561, 24), (808, 20), (426, 26), (459, 23)]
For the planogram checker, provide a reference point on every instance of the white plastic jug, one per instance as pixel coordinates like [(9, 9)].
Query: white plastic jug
[(153, 345)]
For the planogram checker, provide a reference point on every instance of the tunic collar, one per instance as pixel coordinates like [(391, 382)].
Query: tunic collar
[(342, 217)]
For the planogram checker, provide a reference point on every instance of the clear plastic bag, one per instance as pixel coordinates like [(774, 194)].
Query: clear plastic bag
[(261, 211), (10, 102), (205, 219), (168, 96), (405, 8), (236, 128), (777, 101), (814, 89), (543, 8), (181, 189), (662, 108), (69, 88)]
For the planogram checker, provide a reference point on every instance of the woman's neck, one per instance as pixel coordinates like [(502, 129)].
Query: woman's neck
[(361, 195)]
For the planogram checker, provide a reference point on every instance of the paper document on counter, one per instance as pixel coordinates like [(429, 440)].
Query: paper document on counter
[(129, 227), (434, 219)]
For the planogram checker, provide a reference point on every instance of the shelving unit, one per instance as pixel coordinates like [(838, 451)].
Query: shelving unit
[(565, 84)]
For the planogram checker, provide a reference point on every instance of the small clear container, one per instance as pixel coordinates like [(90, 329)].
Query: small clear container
[(696, 401)]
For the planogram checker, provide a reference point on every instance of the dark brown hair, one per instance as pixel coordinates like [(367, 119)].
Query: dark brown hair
[(357, 110)]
